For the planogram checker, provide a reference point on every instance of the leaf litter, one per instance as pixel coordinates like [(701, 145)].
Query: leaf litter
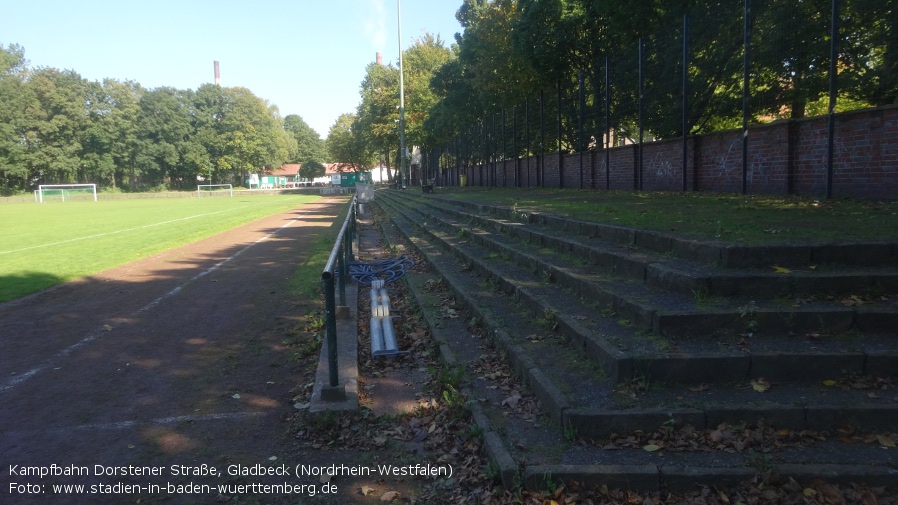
[(443, 431)]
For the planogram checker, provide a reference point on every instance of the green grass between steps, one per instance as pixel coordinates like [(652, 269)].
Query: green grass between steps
[(739, 219)]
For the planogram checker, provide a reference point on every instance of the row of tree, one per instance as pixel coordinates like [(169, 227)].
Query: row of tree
[(56, 127), (370, 135), (512, 51)]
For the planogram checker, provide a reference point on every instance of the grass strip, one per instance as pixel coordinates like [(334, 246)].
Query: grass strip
[(740, 219)]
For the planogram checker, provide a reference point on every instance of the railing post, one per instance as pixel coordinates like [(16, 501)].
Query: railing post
[(331, 323), (341, 274), (352, 228)]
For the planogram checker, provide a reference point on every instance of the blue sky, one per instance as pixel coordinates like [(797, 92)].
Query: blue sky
[(308, 57)]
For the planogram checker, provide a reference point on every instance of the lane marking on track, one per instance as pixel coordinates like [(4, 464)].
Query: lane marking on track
[(23, 377)]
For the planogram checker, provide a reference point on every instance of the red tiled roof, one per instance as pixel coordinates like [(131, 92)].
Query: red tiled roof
[(287, 169), (338, 168), (329, 168)]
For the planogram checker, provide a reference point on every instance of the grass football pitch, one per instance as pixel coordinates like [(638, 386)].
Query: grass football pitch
[(42, 245)]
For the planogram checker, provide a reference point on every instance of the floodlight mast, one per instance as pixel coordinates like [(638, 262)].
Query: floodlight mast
[(403, 179)]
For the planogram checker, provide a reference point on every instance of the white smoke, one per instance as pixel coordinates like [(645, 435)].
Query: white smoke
[(375, 24)]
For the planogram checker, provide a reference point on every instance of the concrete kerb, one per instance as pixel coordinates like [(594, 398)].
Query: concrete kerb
[(646, 477)]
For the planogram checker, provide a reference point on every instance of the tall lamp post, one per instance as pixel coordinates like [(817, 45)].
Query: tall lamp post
[(403, 163)]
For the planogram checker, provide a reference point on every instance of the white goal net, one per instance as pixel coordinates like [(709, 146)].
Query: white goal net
[(204, 190), (65, 192)]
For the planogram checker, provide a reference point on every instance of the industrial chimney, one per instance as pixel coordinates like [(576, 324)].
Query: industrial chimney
[(380, 59), (217, 74)]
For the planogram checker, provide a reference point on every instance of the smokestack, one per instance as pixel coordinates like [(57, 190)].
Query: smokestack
[(380, 59), (217, 74)]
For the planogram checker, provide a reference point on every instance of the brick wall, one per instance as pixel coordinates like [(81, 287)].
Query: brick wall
[(866, 154), (784, 157)]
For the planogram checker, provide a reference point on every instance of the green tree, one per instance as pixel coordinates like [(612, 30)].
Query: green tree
[(869, 52), (375, 125), (110, 139), (169, 149), (240, 132), (54, 140), (12, 60), (487, 71), (309, 145), (424, 57), (378, 112), (16, 102), (311, 169), (347, 145)]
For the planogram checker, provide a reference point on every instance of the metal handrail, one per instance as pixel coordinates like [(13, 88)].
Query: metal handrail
[(340, 256)]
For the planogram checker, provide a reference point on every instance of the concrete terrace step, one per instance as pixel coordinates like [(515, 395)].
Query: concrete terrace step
[(584, 404), (625, 345), (563, 377), (701, 307), (854, 268), (874, 253), (575, 272)]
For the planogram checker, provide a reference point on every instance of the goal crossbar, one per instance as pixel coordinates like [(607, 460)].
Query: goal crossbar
[(210, 189), (64, 189)]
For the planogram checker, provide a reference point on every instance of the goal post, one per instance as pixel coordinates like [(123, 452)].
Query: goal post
[(66, 192), (214, 190)]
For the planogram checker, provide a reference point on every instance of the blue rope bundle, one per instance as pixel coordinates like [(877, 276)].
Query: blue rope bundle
[(387, 270)]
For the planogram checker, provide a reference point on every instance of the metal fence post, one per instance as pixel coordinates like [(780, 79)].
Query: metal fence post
[(833, 94), (746, 93), (685, 86), (580, 112), (527, 129), (541, 166), (640, 115), (341, 274), (331, 324), (560, 154), (607, 140), (504, 134), (514, 146)]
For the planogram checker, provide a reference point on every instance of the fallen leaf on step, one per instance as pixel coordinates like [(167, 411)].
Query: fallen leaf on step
[(885, 441), (512, 401), (760, 385), (389, 496)]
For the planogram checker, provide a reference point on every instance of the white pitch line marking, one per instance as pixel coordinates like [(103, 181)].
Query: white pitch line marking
[(116, 232), (21, 378)]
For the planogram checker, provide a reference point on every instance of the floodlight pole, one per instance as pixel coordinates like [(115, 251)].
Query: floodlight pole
[(403, 178)]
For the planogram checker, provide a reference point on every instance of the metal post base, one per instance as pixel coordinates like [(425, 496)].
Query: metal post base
[(333, 394)]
